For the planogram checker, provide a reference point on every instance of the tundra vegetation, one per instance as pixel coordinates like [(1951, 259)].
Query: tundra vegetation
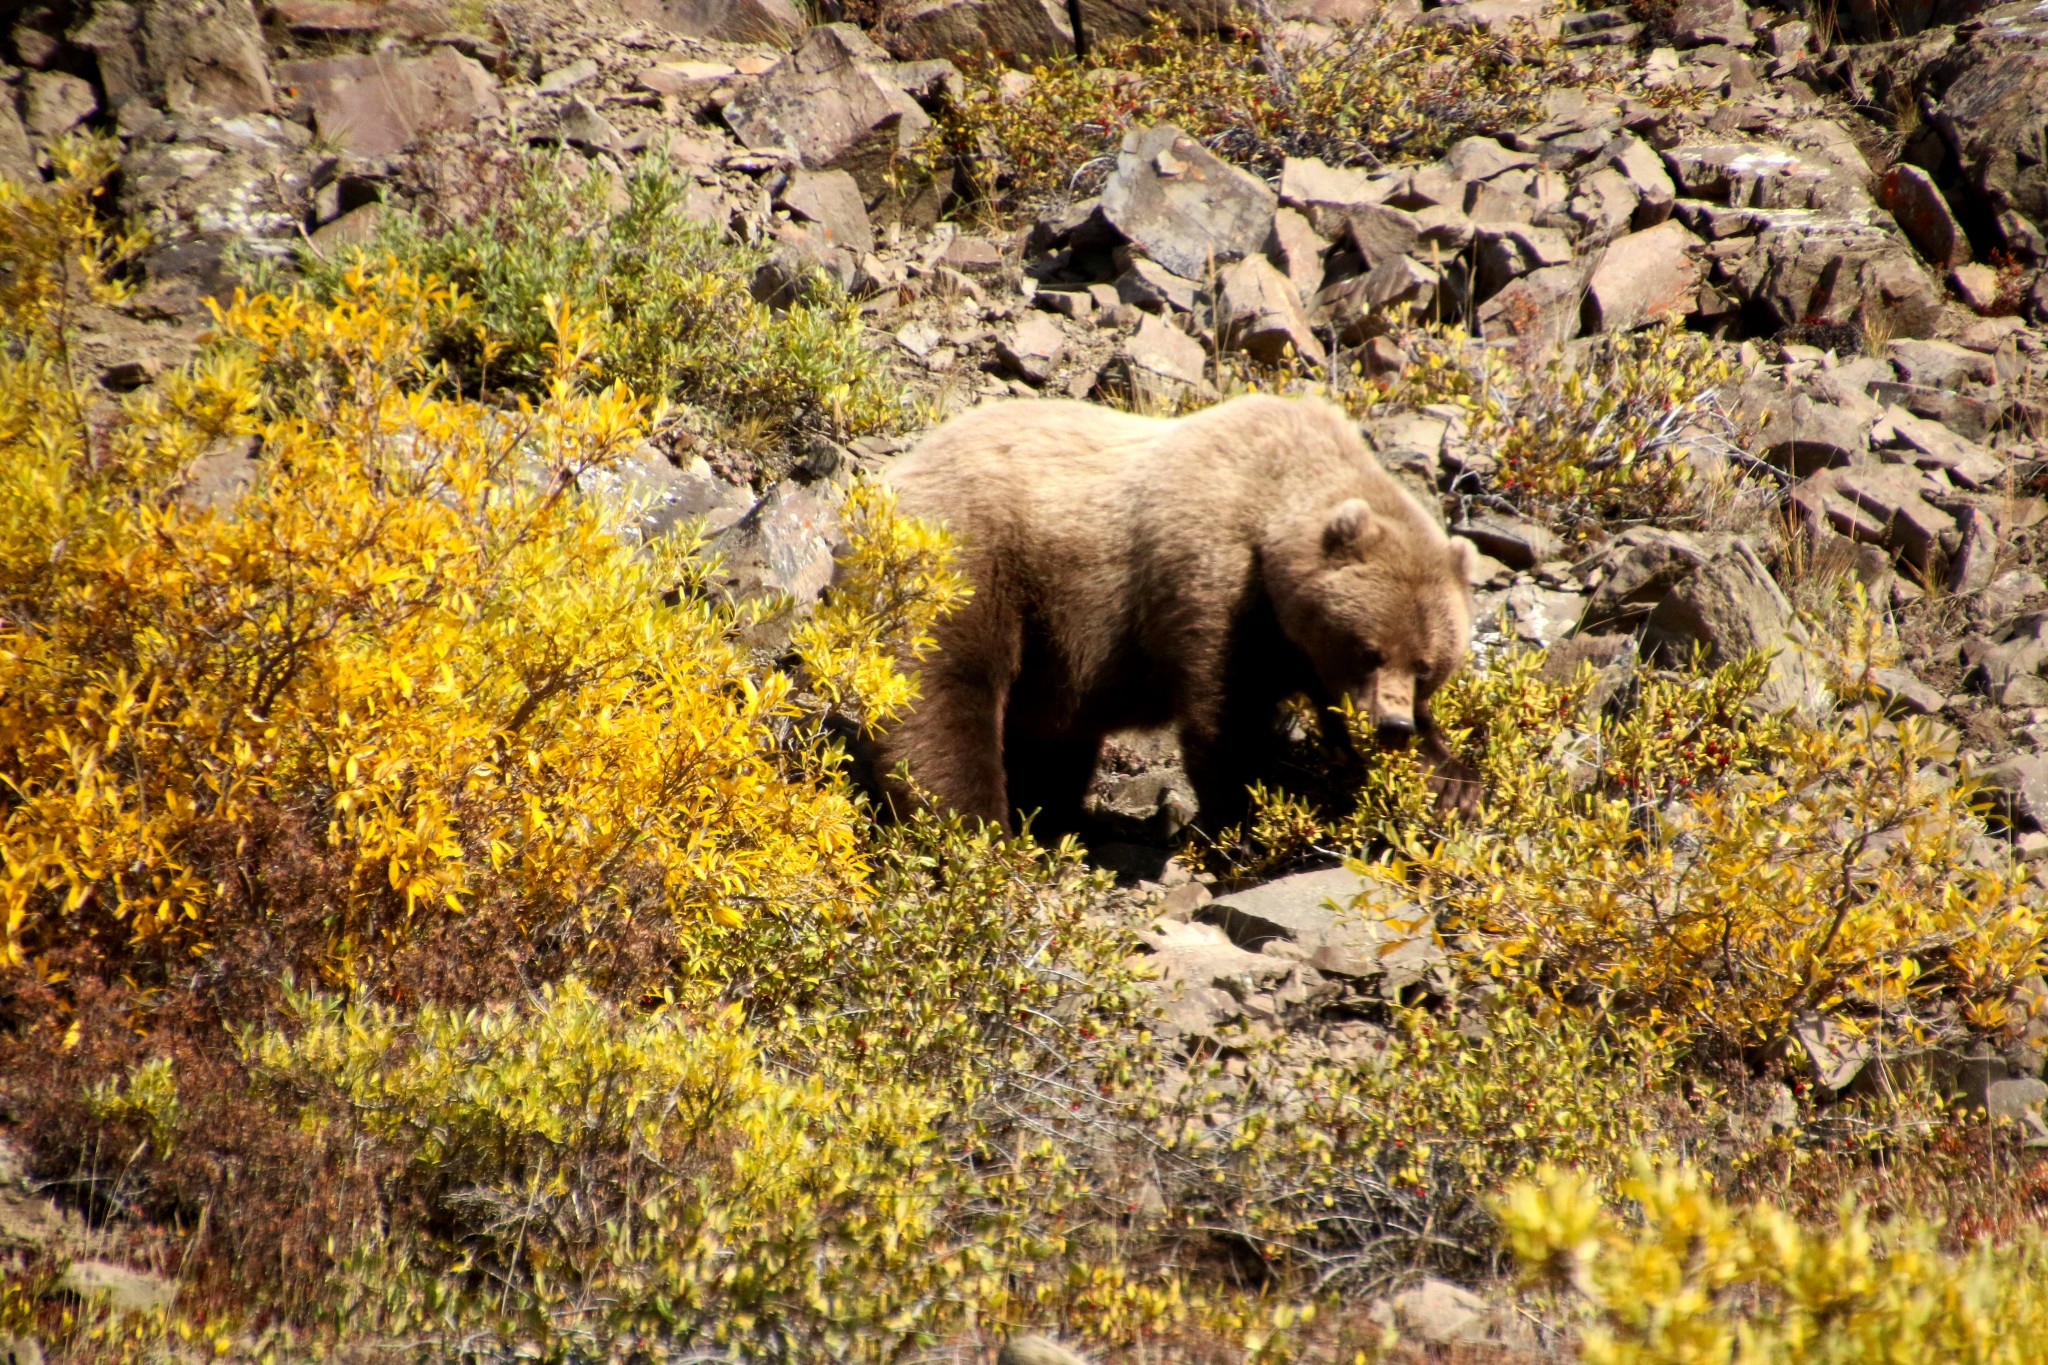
[(429, 929)]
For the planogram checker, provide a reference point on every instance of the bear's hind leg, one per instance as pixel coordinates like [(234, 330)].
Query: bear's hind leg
[(952, 746)]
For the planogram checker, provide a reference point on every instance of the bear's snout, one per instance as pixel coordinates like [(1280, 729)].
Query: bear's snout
[(1388, 701)]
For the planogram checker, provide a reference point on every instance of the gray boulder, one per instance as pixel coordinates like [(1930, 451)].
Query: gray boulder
[(831, 107), (664, 498), (2019, 786), (1990, 88), (1183, 206), (783, 547), (183, 57), (1910, 195), (1259, 312), (1730, 606), (1640, 569), (1005, 28), (1817, 267)]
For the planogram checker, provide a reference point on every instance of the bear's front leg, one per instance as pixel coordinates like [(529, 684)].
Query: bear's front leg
[(1048, 780), (1454, 782), (1222, 762)]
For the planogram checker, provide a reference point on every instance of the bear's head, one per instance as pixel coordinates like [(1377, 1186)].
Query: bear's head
[(1381, 605)]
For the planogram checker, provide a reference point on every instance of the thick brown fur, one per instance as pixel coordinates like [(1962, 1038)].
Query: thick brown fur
[(1137, 572)]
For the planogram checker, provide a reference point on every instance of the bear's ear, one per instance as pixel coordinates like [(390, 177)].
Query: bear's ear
[(1464, 559), (1351, 530)]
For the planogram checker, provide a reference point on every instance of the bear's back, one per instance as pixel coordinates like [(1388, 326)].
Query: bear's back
[(1061, 477), (1000, 450)]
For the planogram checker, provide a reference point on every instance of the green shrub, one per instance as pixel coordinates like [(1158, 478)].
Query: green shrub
[(1379, 91), (668, 296), (1341, 1171), (1611, 435), (606, 1181)]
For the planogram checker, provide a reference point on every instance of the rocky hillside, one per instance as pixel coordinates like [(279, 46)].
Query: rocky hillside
[(1722, 333)]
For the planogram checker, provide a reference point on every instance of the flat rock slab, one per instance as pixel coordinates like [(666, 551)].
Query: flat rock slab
[(1762, 175), (1515, 541), (1201, 954), (1032, 348), (1892, 494), (1386, 936), (1325, 194), (1934, 446), (731, 21), (378, 105), (1183, 206), (1158, 365)]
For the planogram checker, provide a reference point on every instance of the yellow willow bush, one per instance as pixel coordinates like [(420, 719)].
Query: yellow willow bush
[(1701, 869), (410, 650), (1536, 750), (895, 583), (1693, 1280)]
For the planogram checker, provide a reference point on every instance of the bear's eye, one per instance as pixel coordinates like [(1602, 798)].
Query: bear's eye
[(1370, 661)]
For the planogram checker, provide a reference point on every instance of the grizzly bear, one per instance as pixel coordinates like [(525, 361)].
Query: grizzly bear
[(1137, 572)]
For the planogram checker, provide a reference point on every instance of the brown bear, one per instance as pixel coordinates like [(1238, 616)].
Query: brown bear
[(1137, 572)]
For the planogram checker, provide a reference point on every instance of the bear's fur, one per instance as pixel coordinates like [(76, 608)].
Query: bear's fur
[(1137, 572)]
